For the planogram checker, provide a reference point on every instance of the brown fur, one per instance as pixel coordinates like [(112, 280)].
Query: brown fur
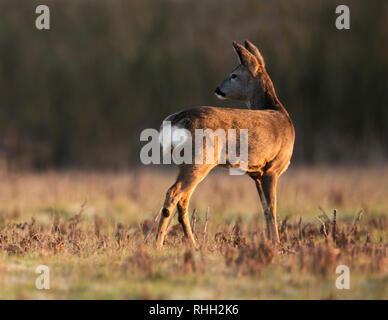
[(270, 140)]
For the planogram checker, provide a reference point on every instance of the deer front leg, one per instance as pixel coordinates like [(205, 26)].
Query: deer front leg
[(267, 191), (269, 184), (264, 205)]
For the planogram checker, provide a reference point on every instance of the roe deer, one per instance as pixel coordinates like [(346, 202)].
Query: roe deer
[(270, 140)]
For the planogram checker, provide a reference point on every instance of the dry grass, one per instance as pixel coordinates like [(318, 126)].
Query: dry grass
[(89, 229)]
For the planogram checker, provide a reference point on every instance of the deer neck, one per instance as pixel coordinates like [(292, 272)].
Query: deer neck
[(265, 98), (256, 102)]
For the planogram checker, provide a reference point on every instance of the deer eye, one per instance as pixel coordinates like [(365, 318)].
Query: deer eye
[(233, 76)]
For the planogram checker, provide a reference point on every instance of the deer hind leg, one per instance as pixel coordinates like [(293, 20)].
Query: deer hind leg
[(183, 218), (266, 187), (188, 178), (173, 195)]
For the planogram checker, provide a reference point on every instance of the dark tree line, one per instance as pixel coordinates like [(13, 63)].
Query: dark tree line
[(79, 94)]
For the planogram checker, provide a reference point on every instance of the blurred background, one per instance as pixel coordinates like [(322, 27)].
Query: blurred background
[(78, 95)]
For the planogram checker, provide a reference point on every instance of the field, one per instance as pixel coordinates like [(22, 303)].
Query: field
[(88, 228)]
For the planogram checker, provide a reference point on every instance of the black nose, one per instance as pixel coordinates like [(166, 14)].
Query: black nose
[(219, 92)]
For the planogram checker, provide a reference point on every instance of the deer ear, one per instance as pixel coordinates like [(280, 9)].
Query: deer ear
[(253, 49), (246, 58)]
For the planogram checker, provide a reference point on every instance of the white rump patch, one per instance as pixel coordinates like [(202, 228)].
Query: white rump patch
[(175, 136), (179, 136)]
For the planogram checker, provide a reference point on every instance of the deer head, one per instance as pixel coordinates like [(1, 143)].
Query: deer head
[(249, 82)]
